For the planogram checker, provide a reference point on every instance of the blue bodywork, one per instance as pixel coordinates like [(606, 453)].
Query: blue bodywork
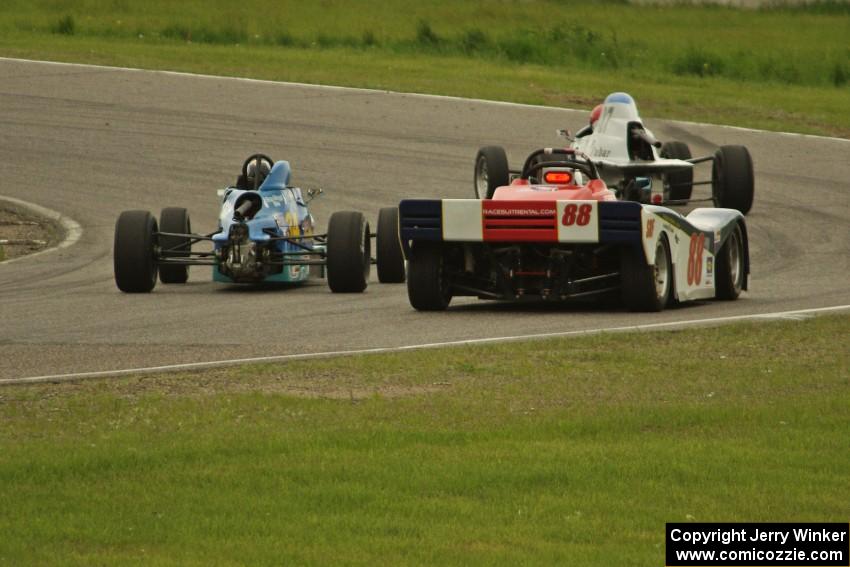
[(251, 249)]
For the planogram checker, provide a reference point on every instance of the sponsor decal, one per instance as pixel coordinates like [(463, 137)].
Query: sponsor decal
[(520, 212), (671, 220), (273, 200), (292, 222), (676, 221)]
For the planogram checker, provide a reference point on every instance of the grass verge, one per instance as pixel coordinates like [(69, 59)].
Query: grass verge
[(783, 67), (569, 451)]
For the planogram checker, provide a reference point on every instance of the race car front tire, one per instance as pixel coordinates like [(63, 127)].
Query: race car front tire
[(730, 266), (427, 283), (732, 183), (390, 256), (646, 287), (491, 171), (681, 180), (133, 254), (349, 252), (174, 219)]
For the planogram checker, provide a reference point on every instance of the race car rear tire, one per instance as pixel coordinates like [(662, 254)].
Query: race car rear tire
[(390, 256), (174, 219), (646, 287), (732, 183), (349, 252), (133, 254), (427, 285), (680, 181), (730, 266), (491, 171)]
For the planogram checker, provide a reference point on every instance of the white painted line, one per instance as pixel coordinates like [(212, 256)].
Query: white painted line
[(376, 91), (73, 230), (794, 315)]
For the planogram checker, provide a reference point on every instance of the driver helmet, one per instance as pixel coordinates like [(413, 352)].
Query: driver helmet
[(259, 168), (595, 114)]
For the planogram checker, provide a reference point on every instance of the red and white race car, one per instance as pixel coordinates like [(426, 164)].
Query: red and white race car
[(558, 232)]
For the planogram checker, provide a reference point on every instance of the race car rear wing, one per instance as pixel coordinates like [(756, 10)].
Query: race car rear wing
[(650, 167), (473, 220)]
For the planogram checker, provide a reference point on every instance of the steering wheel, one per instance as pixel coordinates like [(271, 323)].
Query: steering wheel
[(558, 158), (260, 159)]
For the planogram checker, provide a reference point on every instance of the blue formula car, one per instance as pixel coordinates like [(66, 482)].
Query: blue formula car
[(265, 234)]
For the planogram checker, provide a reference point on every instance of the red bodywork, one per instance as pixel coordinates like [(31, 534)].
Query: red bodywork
[(522, 190), (522, 212)]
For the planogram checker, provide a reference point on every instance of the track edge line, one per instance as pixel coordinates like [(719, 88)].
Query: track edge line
[(73, 230), (670, 325)]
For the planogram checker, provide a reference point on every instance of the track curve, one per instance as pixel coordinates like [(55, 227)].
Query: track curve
[(93, 141)]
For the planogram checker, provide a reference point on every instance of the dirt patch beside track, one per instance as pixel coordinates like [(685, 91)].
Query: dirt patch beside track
[(22, 232)]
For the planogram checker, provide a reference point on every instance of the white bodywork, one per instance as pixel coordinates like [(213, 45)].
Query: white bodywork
[(683, 242), (694, 241), (607, 143)]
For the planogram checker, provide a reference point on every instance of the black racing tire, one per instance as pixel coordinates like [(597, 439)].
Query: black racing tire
[(428, 287), (645, 287), (732, 182), (134, 255), (174, 219), (390, 256), (349, 252), (491, 171), (681, 181), (730, 266)]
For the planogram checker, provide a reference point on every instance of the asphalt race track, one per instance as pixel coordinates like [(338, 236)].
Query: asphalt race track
[(90, 142)]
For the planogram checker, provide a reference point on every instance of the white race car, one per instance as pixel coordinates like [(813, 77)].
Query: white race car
[(635, 165)]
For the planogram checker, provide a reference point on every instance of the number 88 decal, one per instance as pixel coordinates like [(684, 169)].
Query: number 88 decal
[(573, 214), (695, 259)]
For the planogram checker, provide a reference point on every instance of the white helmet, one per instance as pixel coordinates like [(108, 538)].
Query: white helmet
[(257, 167)]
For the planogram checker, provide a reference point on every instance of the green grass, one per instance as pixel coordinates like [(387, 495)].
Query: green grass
[(571, 451), (784, 67)]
